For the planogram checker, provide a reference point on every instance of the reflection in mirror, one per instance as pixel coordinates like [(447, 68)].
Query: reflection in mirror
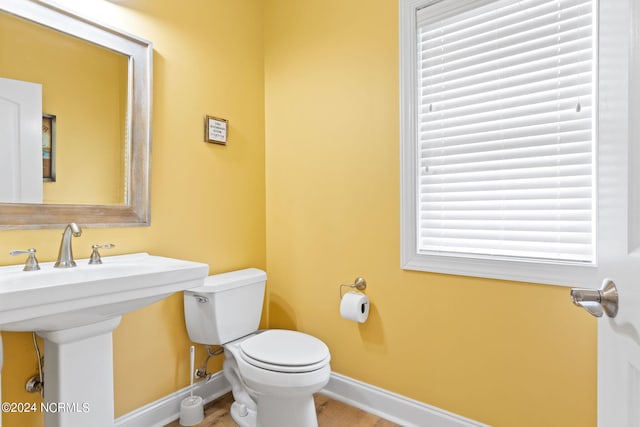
[(90, 118), (20, 147), (96, 81)]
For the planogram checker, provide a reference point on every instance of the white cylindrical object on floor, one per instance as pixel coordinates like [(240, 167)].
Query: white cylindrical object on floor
[(191, 411), (354, 306), (192, 407)]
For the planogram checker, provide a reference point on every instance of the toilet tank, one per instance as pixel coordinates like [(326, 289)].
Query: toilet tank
[(227, 307)]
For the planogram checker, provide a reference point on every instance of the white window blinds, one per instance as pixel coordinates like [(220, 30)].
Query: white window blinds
[(505, 129)]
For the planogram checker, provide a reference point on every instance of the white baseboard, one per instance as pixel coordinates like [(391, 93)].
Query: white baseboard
[(385, 404), (391, 406), (167, 409)]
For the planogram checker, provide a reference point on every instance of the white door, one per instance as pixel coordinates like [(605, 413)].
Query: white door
[(619, 211), (20, 141)]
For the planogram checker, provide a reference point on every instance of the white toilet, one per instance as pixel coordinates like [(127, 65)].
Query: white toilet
[(273, 373)]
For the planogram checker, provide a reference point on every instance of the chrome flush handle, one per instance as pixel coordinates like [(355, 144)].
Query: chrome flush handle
[(201, 299), (597, 302)]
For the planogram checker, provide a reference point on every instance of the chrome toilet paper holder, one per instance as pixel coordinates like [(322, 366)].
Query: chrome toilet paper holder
[(359, 284)]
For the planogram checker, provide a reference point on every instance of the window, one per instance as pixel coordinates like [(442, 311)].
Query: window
[(498, 137)]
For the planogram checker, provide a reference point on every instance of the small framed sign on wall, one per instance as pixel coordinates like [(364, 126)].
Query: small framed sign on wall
[(215, 130)]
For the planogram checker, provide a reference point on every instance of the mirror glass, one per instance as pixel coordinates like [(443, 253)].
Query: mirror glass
[(96, 93), (89, 137)]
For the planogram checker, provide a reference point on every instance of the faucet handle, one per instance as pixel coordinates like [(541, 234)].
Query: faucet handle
[(31, 264), (95, 255)]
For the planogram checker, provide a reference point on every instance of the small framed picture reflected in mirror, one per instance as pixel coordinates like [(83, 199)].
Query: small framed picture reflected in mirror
[(48, 147)]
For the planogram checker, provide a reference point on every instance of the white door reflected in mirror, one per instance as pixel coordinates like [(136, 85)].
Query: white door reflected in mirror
[(20, 141)]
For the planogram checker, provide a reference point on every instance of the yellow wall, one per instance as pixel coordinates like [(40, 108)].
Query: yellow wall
[(502, 353), (326, 97), (208, 201), (90, 116)]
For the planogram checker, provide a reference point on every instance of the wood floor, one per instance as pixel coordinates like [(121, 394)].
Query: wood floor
[(331, 413)]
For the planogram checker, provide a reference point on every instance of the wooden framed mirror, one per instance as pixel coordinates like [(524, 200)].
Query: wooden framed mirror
[(133, 134)]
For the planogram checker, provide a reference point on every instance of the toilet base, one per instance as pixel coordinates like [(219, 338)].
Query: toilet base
[(243, 416), (300, 412)]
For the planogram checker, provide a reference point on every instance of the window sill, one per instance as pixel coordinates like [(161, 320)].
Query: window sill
[(541, 272)]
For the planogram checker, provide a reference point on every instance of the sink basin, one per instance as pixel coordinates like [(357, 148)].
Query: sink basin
[(61, 298)]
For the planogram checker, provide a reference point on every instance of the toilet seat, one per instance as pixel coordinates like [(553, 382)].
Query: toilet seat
[(285, 351)]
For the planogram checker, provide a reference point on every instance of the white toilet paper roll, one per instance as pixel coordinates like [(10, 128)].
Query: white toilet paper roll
[(354, 306)]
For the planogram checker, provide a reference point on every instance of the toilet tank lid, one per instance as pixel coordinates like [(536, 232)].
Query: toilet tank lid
[(232, 279)]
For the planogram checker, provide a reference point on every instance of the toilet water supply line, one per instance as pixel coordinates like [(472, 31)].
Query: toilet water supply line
[(202, 372)]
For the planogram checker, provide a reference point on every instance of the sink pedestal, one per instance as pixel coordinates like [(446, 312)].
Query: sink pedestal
[(78, 375)]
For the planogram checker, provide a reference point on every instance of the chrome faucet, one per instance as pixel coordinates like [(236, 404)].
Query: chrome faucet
[(65, 255)]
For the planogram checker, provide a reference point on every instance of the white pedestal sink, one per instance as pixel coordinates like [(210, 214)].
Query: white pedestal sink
[(75, 310)]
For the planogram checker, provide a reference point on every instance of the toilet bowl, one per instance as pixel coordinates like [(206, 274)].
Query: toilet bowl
[(273, 373)]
